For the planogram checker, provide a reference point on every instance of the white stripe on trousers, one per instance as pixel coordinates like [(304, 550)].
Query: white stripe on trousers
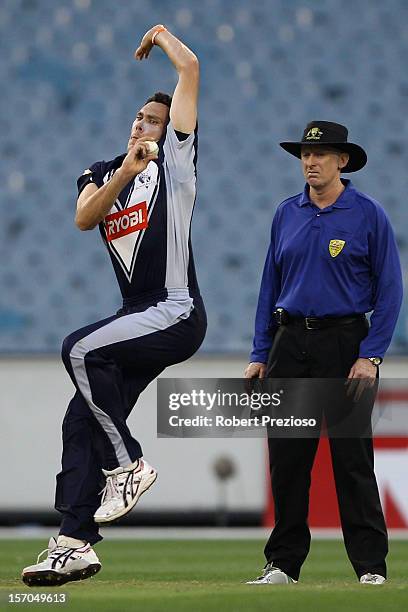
[(175, 308)]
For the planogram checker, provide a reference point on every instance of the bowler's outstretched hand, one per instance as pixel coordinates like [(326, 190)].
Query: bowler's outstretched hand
[(146, 44)]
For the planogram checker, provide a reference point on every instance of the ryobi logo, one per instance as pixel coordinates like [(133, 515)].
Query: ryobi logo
[(126, 221)]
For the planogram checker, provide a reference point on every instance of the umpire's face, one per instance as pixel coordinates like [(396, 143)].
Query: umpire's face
[(149, 123), (322, 166)]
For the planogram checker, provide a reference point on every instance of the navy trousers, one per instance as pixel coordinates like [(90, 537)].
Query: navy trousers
[(110, 363)]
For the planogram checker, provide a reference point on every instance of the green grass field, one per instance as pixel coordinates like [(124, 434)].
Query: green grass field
[(201, 576)]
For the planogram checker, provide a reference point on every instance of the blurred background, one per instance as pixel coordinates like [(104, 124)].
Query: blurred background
[(70, 92)]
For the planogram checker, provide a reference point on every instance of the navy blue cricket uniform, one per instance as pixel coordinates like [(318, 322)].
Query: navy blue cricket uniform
[(334, 264), (162, 322)]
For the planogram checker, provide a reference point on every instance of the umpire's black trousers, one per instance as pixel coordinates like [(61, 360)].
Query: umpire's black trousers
[(324, 353)]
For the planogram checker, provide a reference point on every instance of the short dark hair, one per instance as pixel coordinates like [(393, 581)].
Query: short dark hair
[(160, 97)]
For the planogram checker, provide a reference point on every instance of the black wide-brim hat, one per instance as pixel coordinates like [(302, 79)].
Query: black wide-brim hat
[(326, 133)]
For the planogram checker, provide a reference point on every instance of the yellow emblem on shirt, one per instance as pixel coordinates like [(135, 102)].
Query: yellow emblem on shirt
[(335, 247)]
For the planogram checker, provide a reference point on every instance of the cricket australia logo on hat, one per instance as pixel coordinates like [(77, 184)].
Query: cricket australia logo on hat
[(314, 134), (335, 247)]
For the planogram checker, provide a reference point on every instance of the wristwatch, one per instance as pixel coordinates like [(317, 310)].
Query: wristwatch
[(375, 360)]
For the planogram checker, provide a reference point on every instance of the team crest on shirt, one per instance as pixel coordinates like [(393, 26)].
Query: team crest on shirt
[(143, 180), (335, 247)]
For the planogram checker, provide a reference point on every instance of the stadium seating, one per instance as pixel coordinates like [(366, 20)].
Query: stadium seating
[(70, 92)]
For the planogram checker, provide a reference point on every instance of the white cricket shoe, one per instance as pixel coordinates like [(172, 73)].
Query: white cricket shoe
[(272, 575), (372, 579), (67, 559), (123, 488)]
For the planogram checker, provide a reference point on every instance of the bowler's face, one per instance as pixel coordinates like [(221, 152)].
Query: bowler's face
[(149, 123), (321, 165)]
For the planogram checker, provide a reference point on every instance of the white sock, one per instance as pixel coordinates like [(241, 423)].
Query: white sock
[(133, 466), (67, 542), (122, 468)]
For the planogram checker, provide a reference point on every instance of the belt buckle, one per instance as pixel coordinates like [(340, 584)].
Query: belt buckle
[(308, 323), (279, 316)]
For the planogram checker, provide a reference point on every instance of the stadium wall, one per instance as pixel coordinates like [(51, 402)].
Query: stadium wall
[(34, 395)]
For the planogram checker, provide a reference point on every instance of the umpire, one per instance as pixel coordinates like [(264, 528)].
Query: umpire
[(332, 259)]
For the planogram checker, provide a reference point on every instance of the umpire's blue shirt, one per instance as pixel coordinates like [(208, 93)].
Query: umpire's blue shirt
[(331, 262)]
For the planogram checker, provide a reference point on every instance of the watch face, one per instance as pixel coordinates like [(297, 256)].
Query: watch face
[(376, 360)]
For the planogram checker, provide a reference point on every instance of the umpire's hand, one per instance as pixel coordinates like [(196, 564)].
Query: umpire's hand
[(362, 375), (255, 370)]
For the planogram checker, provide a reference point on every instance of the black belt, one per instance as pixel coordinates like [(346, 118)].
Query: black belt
[(282, 317)]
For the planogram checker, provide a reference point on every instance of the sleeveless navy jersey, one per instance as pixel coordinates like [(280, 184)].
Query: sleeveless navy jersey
[(148, 229)]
